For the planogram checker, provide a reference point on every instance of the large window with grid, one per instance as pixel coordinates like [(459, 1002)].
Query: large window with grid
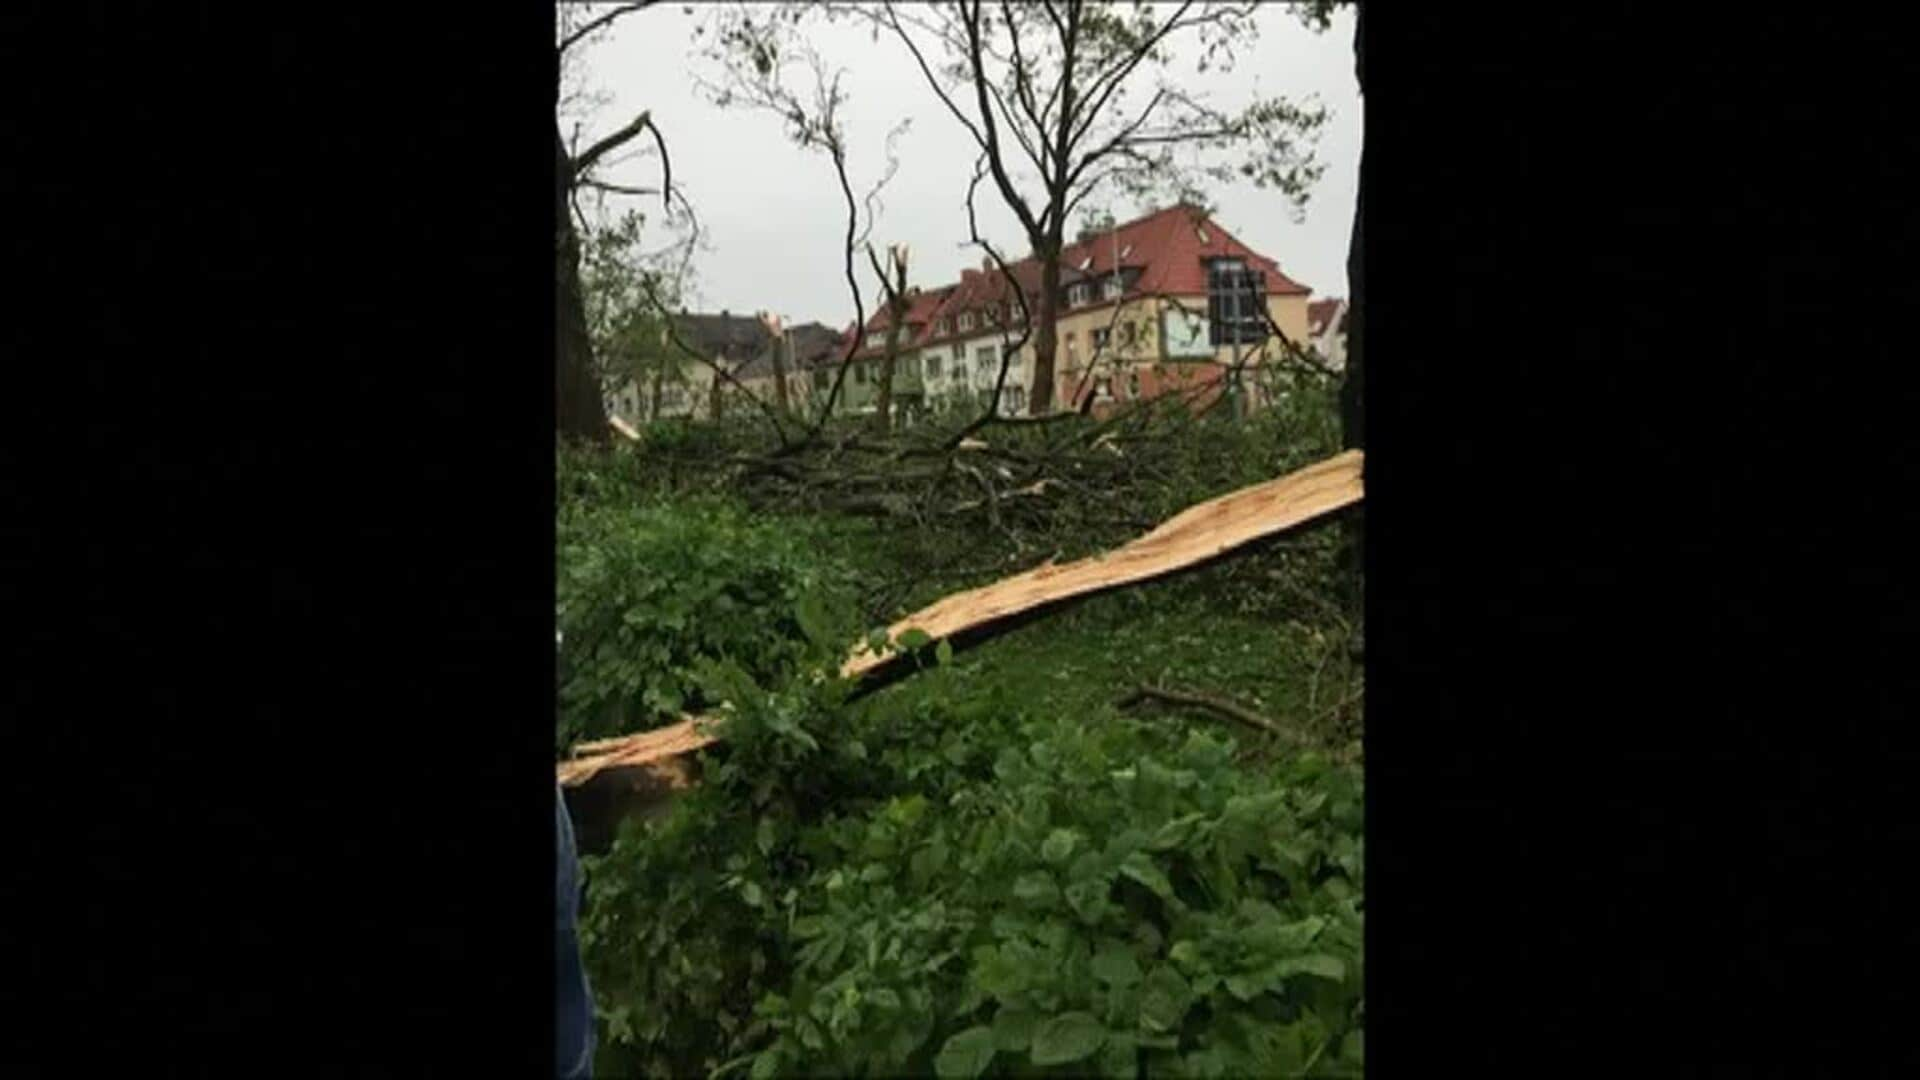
[(1235, 296)]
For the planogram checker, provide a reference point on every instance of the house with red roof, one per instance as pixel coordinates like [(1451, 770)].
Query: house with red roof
[(1166, 303)]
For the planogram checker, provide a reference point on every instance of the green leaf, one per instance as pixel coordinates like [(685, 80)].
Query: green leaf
[(1068, 1037), (766, 1065), (943, 652), (1116, 965), (1321, 964), (913, 639), (1120, 1058), (1164, 1000), (810, 612), (1013, 1029), (967, 1054), (1036, 888), (1140, 867), (1247, 987), (1058, 846)]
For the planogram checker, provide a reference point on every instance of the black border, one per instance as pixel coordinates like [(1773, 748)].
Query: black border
[(1636, 659)]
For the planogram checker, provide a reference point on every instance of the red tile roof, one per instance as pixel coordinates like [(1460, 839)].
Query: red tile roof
[(1321, 312), (1169, 248)]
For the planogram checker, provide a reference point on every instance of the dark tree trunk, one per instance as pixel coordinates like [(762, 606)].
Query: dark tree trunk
[(1046, 337), (714, 391), (579, 412), (780, 402), (659, 388), (1353, 386)]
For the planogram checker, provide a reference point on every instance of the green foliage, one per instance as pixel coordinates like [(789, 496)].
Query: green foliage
[(647, 594), (953, 883), (986, 869)]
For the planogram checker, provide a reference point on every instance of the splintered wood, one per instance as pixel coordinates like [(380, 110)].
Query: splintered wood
[(1194, 536)]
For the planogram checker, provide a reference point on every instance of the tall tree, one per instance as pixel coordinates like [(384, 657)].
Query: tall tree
[(754, 46), (1042, 89), (893, 285), (580, 411)]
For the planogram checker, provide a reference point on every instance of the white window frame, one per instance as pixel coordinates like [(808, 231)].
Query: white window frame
[(966, 321), (1111, 288)]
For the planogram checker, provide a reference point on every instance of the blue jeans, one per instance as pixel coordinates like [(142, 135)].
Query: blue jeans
[(573, 1003)]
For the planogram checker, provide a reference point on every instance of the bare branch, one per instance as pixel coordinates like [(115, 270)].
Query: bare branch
[(623, 9), (585, 161), (719, 370), (1220, 706), (616, 189)]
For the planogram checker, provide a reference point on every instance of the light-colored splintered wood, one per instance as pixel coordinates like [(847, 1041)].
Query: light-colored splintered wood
[(1195, 535), (623, 428), (643, 749)]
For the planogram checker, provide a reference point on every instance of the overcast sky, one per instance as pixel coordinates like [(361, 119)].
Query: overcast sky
[(774, 214)]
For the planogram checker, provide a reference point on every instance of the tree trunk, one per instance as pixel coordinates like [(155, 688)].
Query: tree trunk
[(658, 389), (579, 412), (713, 393), (1353, 385), (1045, 336), (780, 346)]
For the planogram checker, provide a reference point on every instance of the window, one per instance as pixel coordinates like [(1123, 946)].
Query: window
[(933, 365), (966, 321), (1100, 335), (986, 366), (1126, 333), (860, 373), (1103, 388), (1234, 297), (1133, 384), (1076, 295), (1071, 351), (940, 328), (1110, 289), (1014, 401)]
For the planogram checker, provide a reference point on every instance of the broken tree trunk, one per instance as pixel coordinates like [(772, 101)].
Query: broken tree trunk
[(1194, 536)]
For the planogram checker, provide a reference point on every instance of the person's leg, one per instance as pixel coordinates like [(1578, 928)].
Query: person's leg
[(573, 1017)]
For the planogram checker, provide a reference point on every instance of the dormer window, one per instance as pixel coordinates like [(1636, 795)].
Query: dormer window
[(1076, 295), (940, 328), (1110, 289), (966, 321)]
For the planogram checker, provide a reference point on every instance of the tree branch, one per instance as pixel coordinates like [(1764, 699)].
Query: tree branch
[(623, 9), (1213, 704)]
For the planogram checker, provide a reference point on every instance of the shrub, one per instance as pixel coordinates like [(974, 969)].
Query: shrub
[(956, 885), (646, 593)]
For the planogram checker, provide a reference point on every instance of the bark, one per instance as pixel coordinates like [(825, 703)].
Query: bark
[(1046, 336), (780, 346), (579, 412), (657, 391), (1353, 386)]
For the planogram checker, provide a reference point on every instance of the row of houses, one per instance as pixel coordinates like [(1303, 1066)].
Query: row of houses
[(1169, 302)]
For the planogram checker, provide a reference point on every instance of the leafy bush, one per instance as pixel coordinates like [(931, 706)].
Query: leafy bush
[(955, 884), (646, 593)]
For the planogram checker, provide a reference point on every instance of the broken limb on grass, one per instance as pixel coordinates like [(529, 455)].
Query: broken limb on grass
[(1221, 706), (1190, 538)]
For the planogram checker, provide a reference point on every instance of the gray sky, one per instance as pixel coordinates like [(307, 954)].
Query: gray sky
[(774, 214)]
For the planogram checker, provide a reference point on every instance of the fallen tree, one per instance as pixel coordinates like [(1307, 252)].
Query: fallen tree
[(651, 763)]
